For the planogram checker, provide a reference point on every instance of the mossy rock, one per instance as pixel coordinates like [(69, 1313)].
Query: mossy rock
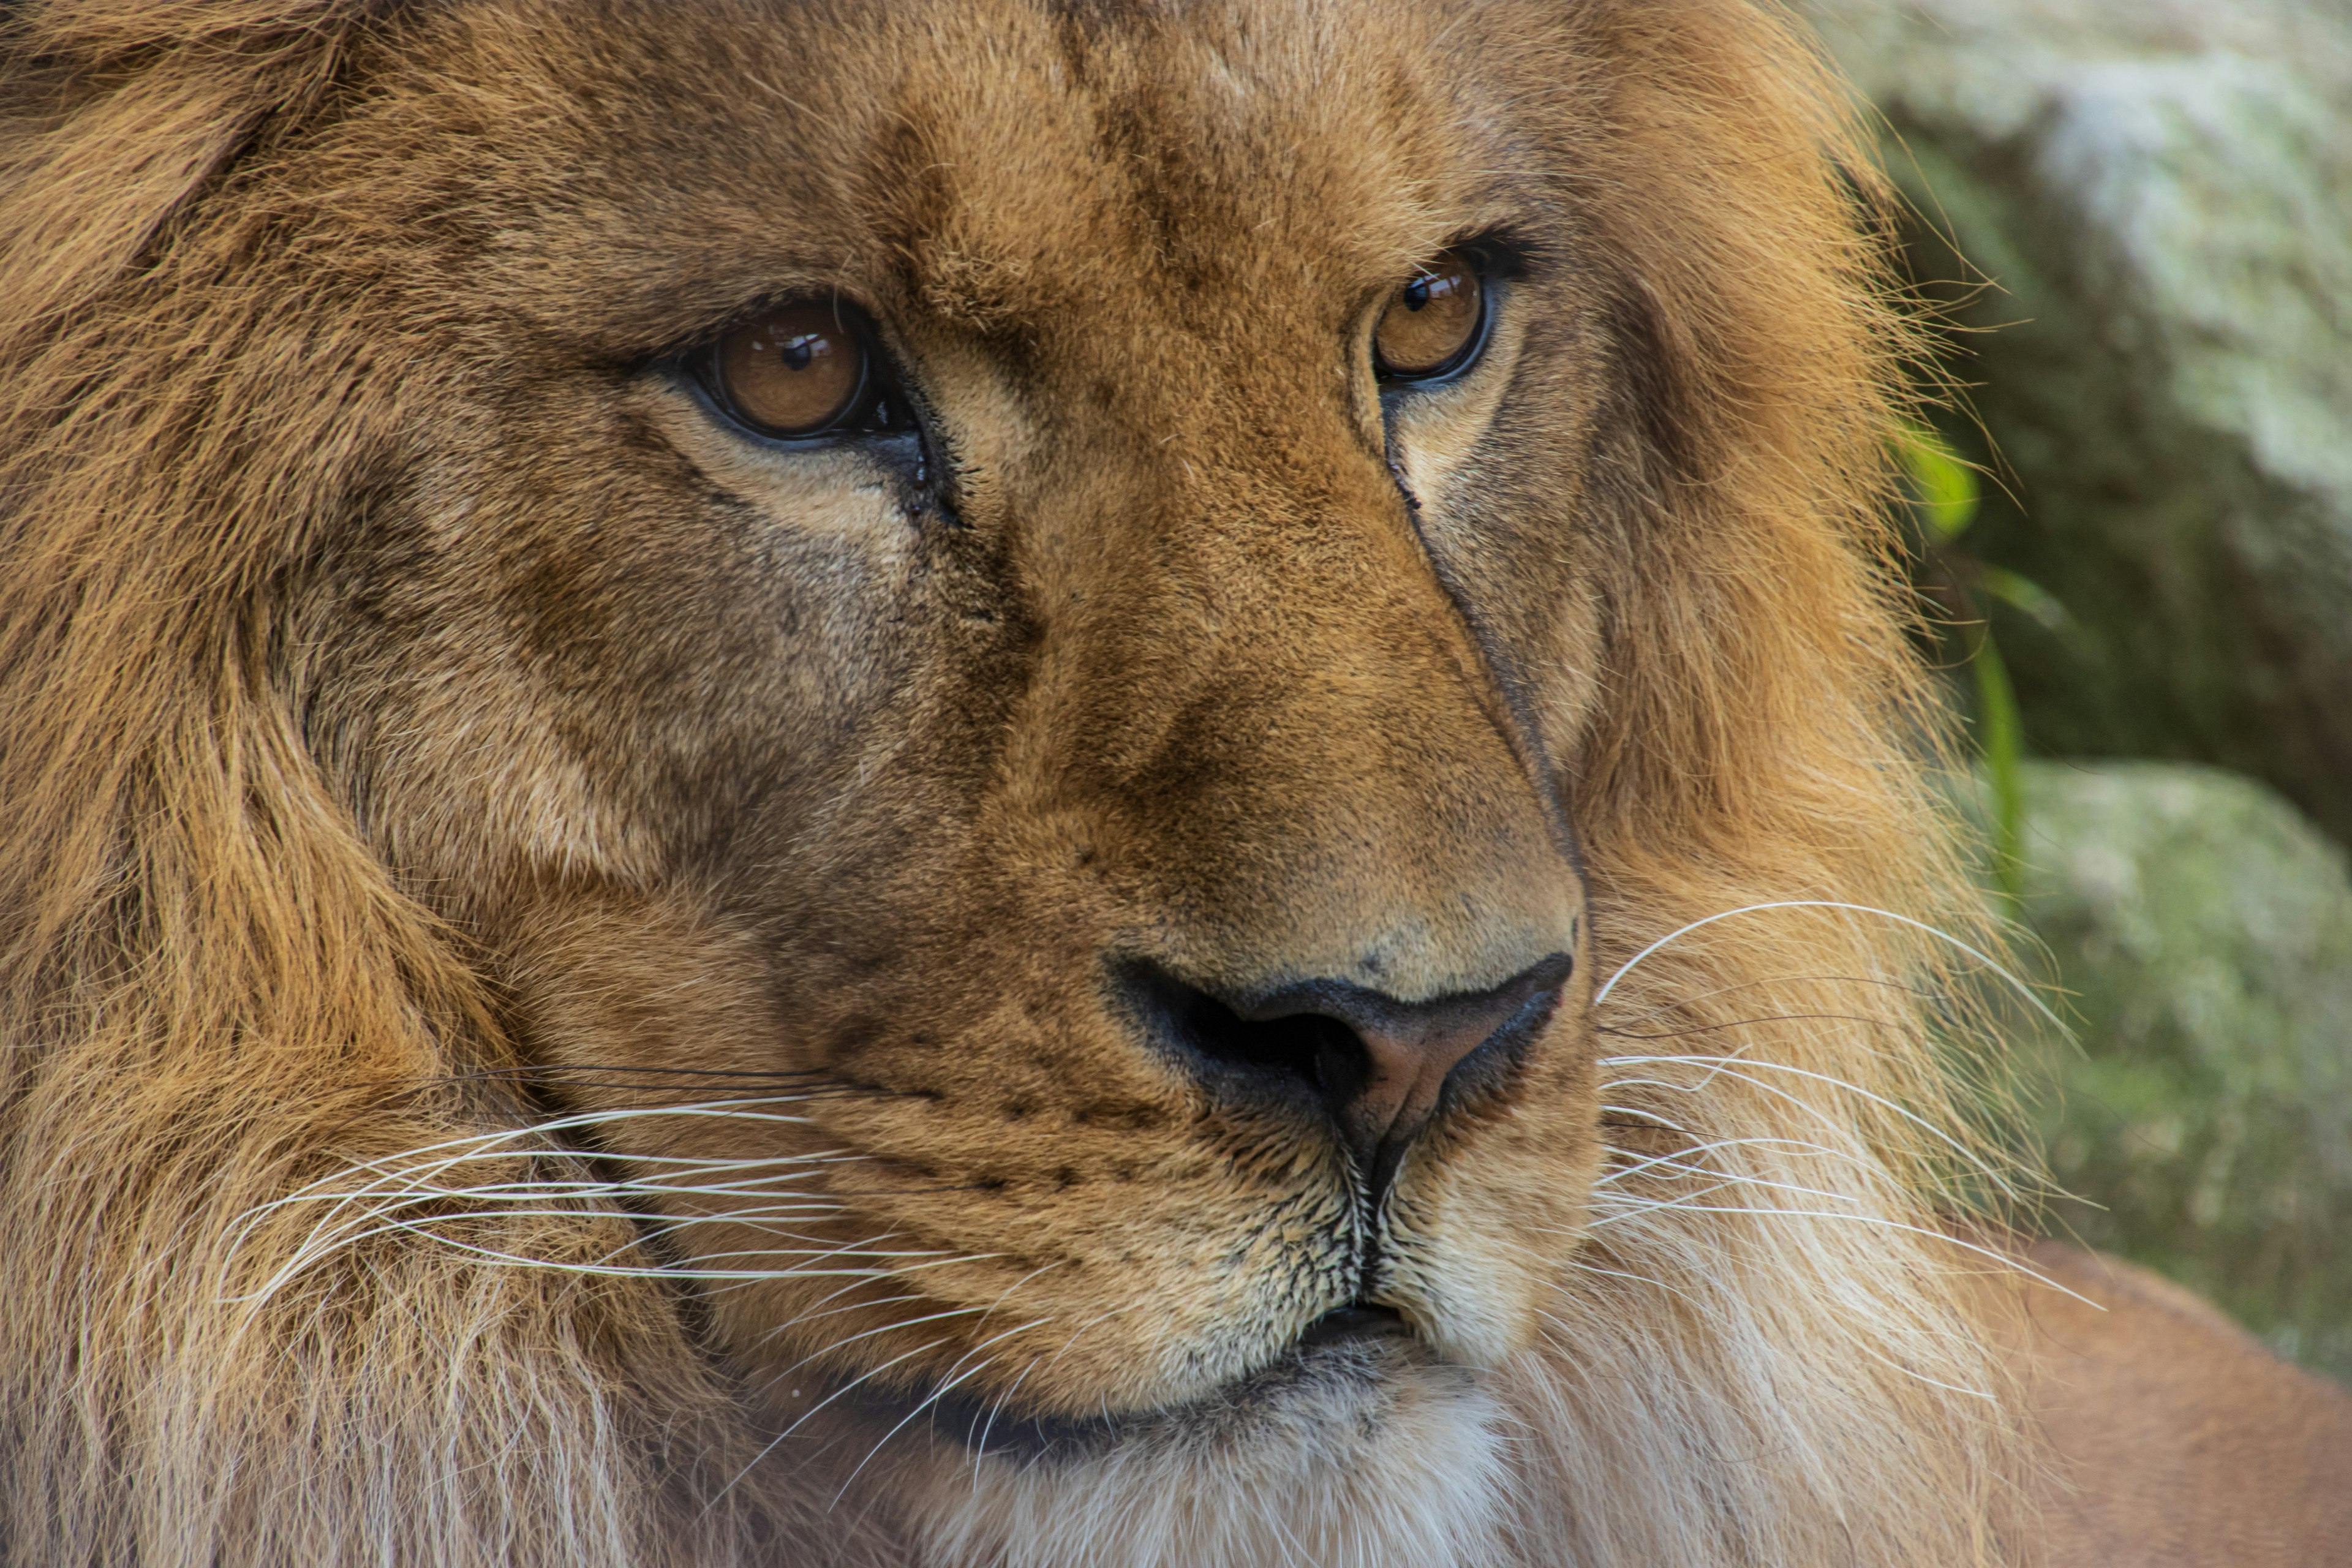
[(2138, 216), (2203, 1121)]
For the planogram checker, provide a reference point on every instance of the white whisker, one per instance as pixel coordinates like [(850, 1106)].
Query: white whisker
[(1823, 1150), (2019, 986), (940, 1392), (980, 1450), (883, 1328), (1730, 1065), (811, 1410), (811, 1314), (1724, 1179), (2003, 1259)]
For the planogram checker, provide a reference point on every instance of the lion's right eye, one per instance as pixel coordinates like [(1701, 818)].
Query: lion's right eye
[(801, 369), (1434, 323)]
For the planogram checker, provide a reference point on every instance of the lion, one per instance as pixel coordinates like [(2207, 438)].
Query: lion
[(1004, 783)]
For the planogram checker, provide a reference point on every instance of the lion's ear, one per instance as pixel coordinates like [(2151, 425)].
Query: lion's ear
[(115, 114)]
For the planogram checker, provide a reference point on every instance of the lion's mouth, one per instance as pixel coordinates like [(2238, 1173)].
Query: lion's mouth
[(1356, 1320), (1336, 1363)]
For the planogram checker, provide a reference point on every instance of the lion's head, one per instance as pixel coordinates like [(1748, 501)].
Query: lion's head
[(951, 784)]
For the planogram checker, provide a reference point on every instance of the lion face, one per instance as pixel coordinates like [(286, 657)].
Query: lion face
[(881, 775), (946, 613)]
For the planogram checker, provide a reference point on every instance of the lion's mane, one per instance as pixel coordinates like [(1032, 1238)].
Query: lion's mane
[(213, 992)]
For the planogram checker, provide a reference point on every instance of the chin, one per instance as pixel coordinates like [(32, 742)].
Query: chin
[(1357, 1446)]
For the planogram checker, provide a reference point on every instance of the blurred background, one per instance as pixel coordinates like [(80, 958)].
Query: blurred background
[(2136, 217)]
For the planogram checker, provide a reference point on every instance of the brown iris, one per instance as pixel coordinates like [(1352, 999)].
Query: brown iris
[(1431, 324), (793, 369)]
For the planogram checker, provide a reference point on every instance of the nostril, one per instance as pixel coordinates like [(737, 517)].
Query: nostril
[(1307, 1058)]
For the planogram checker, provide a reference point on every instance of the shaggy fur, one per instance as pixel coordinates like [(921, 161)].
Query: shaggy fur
[(429, 739)]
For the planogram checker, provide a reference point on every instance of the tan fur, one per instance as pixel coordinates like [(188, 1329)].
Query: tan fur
[(2177, 1440), (567, 977)]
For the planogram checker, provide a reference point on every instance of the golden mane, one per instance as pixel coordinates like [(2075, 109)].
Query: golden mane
[(214, 991)]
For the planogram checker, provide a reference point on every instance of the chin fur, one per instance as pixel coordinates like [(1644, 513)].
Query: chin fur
[(1349, 1461)]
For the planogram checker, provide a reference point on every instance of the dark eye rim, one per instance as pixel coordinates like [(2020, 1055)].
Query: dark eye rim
[(878, 407), (1487, 264)]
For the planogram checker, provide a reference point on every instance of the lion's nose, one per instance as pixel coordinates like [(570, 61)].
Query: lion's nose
[(1377, 1066)]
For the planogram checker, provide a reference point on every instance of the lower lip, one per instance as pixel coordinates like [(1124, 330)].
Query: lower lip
[(1352, 1323), (980, 1425)]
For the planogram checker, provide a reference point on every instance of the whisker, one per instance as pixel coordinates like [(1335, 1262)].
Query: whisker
[(2003, 1259), (811, 1410), (1862, 1018), (1669, 1124), (2015, 983), (614, 1271), (406, 1190), (480, 1145), (1080, 1331), (811, 1315), (883, 1328), (1881, 981), (980, 1450), (357, 1212), (531, 1190), (940, 1393), (530, 1072), (1580, 1264), (1725, 1179), (1821, 1149), (1730, 1065), (414, 1186)]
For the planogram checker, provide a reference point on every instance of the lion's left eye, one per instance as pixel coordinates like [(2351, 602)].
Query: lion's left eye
[(1434, 323), (802, 369)]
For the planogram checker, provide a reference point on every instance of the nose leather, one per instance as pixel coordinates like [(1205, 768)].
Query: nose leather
[(1410, 1047)]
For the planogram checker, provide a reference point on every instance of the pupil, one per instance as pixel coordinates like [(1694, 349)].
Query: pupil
[(1416, 293), (798, 352)]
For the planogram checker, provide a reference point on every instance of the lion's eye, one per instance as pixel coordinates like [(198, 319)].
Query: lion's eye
[(1434, 325), (801, 369)]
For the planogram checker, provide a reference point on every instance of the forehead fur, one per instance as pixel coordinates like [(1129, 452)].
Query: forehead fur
[(540, 187), (619, 180), (999, 165)]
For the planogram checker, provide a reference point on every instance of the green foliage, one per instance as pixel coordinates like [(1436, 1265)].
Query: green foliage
[(1945, 497), (1944, 488)]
